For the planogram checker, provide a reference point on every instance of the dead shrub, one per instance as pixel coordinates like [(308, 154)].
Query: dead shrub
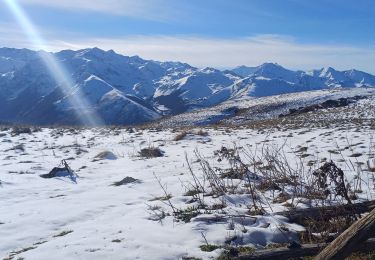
[(201, 132), (17, 130), (331, 179), (180, 136)]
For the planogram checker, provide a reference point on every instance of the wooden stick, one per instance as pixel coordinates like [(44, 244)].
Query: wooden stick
[(345, 243), (305, 250), (318, 213)]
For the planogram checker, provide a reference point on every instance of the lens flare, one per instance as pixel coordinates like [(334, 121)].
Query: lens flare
[(56, 70)]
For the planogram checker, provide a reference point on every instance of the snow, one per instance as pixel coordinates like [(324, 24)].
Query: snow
[(92, 219), (270, 107), (94, 215)]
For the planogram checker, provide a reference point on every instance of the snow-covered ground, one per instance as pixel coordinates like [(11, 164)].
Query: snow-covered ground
[(90, 218), (241, 111)]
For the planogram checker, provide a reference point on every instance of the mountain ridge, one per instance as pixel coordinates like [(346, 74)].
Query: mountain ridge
[(131, 90)]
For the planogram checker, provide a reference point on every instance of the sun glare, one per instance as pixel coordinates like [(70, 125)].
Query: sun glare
[(56, 69)]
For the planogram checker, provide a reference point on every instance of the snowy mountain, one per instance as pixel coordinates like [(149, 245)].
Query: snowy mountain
[(272, 79), (130, 90), (194, 88), (244, 71)]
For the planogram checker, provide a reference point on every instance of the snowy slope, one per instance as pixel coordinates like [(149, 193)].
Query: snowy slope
[(244, 109)]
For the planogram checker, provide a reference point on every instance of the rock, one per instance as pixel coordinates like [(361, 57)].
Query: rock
[(56, 172), (106, 155), (151, 152), (125, 181), (64, 171)]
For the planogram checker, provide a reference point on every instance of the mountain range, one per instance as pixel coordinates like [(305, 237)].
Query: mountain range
[(130, 90)]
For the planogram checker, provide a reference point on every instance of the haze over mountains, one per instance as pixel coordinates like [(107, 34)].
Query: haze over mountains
[(131, 90)]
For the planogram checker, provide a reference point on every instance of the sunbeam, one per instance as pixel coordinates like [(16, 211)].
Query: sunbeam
[(57, 70)]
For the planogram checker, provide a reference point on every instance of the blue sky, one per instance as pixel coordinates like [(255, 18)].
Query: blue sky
[(301, 34)]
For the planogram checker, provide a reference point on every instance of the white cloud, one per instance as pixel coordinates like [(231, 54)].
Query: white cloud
[(213, 52), (146, 9), (224, 53)]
